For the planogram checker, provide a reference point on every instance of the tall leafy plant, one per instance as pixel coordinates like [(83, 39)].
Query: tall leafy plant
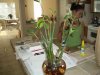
[(46, 27), (47, 35)]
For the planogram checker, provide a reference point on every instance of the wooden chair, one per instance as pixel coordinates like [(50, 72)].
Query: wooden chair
[(3, 23)]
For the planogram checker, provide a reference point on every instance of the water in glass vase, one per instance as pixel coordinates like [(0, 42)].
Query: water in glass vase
[(54, 69)]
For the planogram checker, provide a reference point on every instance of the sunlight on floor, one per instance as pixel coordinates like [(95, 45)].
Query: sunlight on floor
[(3, 33), (9, 32), (8, 63)]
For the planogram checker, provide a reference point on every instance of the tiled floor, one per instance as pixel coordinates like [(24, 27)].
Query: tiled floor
[(8, 63)]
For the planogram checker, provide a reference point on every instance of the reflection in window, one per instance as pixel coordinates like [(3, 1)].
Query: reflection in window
[(6, 9), (37, 10)]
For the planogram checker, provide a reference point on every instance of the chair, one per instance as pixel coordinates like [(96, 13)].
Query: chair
[(0, 26), (3, 23)]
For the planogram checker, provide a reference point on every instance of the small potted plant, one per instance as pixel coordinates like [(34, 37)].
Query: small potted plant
[(53, 65)]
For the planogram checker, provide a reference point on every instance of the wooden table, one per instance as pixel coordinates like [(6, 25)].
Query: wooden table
[(11, 21)]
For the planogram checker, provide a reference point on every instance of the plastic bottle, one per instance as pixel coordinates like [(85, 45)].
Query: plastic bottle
[(82, 53)]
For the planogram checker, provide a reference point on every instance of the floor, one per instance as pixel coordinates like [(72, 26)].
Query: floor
[(10, 66), (8, 63)]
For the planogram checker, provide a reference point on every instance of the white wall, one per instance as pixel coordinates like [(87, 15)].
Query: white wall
[(88, 16), (49, 4), (17, 8), (62, 7), (29, 9)]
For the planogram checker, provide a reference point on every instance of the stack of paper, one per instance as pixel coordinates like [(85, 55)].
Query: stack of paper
[(69, 60)]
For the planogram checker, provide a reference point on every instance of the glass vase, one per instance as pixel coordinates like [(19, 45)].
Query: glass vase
[(55, 68)]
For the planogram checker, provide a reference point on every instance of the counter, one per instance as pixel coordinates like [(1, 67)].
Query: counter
[(33, 63), (28, 60)]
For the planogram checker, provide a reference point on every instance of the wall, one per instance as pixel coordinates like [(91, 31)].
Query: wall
[(49, 4), (62, 7), (29, 9), (88, 16), (22, 17), (27, 12), (46, 5), (17, 8)]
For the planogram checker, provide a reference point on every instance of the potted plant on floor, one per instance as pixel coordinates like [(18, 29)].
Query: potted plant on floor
[(53, 65)]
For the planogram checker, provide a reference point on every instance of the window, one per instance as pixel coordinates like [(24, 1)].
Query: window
[(37, 10), (6, 9)]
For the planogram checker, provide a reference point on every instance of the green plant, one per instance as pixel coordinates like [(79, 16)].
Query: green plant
[(46, 26)]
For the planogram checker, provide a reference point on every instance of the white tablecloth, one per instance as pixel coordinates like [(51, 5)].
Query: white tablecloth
[(33, 63)]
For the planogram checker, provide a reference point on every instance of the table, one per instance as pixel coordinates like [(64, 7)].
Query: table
[(6, 22), (11, 22), (33, 64)]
